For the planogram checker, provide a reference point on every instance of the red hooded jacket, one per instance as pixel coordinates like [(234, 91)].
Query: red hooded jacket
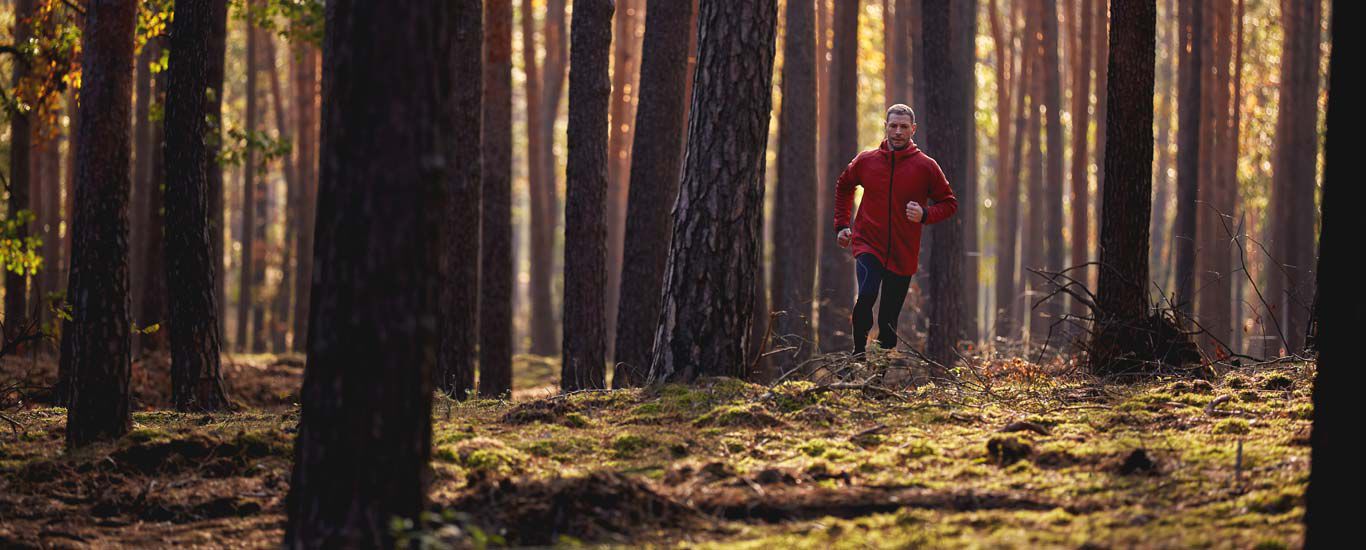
[(890, 179)]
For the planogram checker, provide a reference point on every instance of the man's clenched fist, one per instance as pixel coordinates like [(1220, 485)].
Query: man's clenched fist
[(844, 237), (915, 212)]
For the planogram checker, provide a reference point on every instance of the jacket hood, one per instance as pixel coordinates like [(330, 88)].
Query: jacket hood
[(911, 149)]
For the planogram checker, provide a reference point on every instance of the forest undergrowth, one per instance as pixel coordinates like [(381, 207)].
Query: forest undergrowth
[(1005, 454)]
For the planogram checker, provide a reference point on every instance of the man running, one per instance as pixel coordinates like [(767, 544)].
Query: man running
[(897, 180)]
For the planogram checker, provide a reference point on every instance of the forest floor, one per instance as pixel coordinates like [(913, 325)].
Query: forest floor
[(1014, 455)]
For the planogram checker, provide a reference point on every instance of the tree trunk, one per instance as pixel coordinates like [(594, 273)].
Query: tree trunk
[(366, 399), (1122, 295), (98, 292), (305, 63), (1214, 214), (704, 325), (794, 263), (16, 284), (543, 337), (1333, 465), (1188, 134), (496, 257), (655, 168), (196, 379), (1051, 201), (143, 97), (279, 308), (964, 35), (836, 282), (1033, 247), (246, 282), (1081, 159), (153, 308), (1162, 183), (216, 67), (585, 251), (625, 81), (947, 97), (1290, 288), (460, 260), (1101, 52), (1009, 143)]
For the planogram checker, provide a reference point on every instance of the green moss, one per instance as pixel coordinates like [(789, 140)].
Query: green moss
[(1234, 426), (576, 420), (1277, 381), (628, 445), (483, 454), (734, 416)]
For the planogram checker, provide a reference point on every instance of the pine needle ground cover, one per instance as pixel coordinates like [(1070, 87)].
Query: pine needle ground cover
[(1017, 458)]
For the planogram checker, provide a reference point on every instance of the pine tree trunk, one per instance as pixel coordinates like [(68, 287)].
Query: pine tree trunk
[(1188, 133), (1032, 248), (964, 37), (196, 379), (1215, 227), (153, 308), (542, 320), (16, 285), (655, 169), (947, 98), (1290, 280), (1330, 479), (142, 172), (836, 277), (99, 337), (247, 235), (704, 325), (496, 257), (305, 63), (1051, 201), (794, 263), (216, 67), (279, 308), (1081, 159), (625, 81), (374, 331), (460, 260), (544, 225), (1122, 295), (585, 251), (1162, 183)]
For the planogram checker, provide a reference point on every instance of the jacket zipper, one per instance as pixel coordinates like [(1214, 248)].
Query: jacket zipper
[(891, 179)]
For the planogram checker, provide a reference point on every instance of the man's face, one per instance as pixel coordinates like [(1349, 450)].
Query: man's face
[(899, 130)]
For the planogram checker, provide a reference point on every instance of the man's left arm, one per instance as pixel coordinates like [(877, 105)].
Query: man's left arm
[(945, 204)]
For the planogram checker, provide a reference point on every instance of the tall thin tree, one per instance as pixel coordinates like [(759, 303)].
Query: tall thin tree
[(246, 283), (1326, 520), (1188, 133), (585, 238), (196, 379), (374, 329), (496, 273), (655, 168), (460, 263), (794, 263), (1122, 296), (16, 283), (98, 339), (835, 278), (704, 324)]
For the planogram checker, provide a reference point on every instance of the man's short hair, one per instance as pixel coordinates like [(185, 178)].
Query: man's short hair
[(900, 109)]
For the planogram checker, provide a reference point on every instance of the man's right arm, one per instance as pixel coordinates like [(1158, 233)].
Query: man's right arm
[(844, 196)]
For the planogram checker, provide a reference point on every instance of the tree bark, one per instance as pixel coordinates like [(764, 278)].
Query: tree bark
[(246, 281), (1081, 159), (1333, 466), (794, 263), (1214, 212), (196, 379), (1051, 201), (835, 279), (374, 331), (585, 251), (496, 257), (947, 97), (655, 168), (279, 307), (626, 48), (1188, 133), (460, 260), (1290, 286), (305, 63), (16, 284), (1122, 295), (152, 307), (98, 292), (964, 45), (704, 325), (543, 338)]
